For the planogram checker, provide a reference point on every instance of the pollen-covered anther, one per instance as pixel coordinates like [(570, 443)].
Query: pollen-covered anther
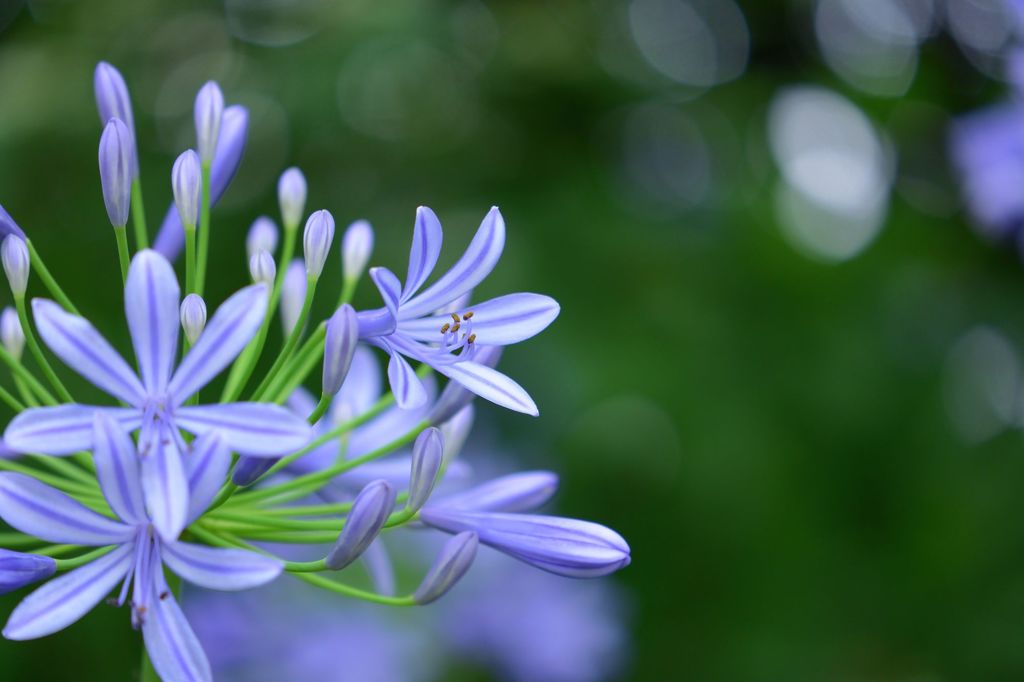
[(455, 318), (468, 315), (471, 339), (445, 327), (456, 326)]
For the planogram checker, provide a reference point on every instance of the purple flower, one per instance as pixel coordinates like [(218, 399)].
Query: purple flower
[(18, 570), (11, 334), (427, 453), (291, 195), (138, 555), (524, 491), (356, 247), (293, 294), (156, 401), (193, 317), (116, 170), (262, 268), (234, 128), (316, 241), (408, 326), (112, 101)]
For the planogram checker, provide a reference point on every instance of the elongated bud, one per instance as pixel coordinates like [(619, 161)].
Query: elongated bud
[(14, 255), (339, 347), (454, 397), (248, 469), (11, 333), (426, 463), (262, 235), (112, 101), (116, 170), (193, 317), (18, 570), (450, 565), (209, 110), (316, 241), (356, 248), (369, 513), (293, 294), (519, 492), (262, 267), (291, 195), (186, 179)]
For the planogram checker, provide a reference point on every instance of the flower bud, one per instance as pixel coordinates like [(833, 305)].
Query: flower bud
[(14, 255), (262, 267), (18, 570), (454, 397), (113, 101), (291, 195), (248, 469), (293, 294), (369, 513), (193, 317), (316, 241), (209, 109), (11, 334), (356, 248), (186, 179), (262, 235), (450, 565), (116, 170), (426, 463), (339, 347)]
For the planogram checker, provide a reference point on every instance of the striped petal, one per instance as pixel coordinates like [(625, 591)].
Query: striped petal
[(117, 469), (257, 429), (407, 387), (217, 568), (389, 287), (173, 647), (490, 384), (165, 485), (36, 509), (500, 321), (426, 247), (63, 429), (207, 471), (77, 343), (151, 296)]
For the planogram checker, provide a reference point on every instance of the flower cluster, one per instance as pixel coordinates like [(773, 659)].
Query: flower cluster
[(167, 481)]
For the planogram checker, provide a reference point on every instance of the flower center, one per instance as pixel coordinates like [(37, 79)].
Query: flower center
[(458, 335)]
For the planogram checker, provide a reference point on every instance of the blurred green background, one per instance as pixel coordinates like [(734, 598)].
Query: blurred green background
[(775, 433)]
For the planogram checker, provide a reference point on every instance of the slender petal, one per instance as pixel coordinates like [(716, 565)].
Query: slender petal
[(451, 564), (369, 513), (407, 387), (232, 327), (18, 569), (151, 296), (112, 101), (16, 262), (117, 469), (207, 470), (426, 463), (490, 384), (356, 247), (63, 600), (390, 288), (36, 509), (173, 647), (454, 398), (216, 568), (500, 321), (165, 485), (75, 341), (63, 429), (517, 492), (257, 429), (362, 387), (426, 247), (478, 261), (8, 226), (339, 348)]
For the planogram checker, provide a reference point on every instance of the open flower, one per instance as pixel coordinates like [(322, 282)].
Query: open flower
[(409, 327), (156, 401)]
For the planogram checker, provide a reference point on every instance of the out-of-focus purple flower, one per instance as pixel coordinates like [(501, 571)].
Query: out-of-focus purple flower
[(156, 399), (427, 452), (262, 235), (369, 513), (11, 334), (186, 180), (209, 108), (234, 129), (454, 398), (451, 564), (116, 170), (113, 101), (15, 259), (193, 317), (262, 268), (18, 570), (519, 492), (291, 195), (356, 248), (293, 294), (408, 325), (316, 241)]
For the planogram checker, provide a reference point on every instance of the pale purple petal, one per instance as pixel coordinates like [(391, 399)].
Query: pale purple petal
[(426, 247), (407, 387), (500, 321), (478, 261), (362, 387), (524, 491), (151, 296), (208, 465), (84, 350), (117, 469), (232, 327), (378, 566), (63, 429), (490, 384), (256, 429), (165, 485), (389, 287), (36, 509), (65, 599), (217, 568), (173, 647)]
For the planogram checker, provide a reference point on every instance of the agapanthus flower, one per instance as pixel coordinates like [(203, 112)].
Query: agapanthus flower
[(409, 326), (156, 400), (137, 554)]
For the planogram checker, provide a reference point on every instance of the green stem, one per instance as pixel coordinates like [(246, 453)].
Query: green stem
[(54, 481), (293, 340), (348, 288), (10, 400), (11, 540), (204, 231), (303, 361), (348, 591), (321, 407), (26, 376), (66, 468), (37, 352), (122, 250), (83, 559), (48, 281), (260, 522), (190, 259), (139, 217)]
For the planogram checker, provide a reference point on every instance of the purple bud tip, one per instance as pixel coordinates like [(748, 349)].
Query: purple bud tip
[(193, 317), (427, 453), (356, 248), (8, 226), (18, 570), (316, 241), (339, 347), (248, 469), (262, 235), (11, 333), (291, 195), (209, 110), (524, 491), (262, 268), (454, 397), (293, 294), (14, 254), (112, 101), (186, 179), (369, 513), (450, 565), (116, 170)]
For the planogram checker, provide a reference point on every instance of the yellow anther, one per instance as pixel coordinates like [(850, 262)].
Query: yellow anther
[(471, 339), (455, 318), (445, 327), (455, 327), (468, 315)]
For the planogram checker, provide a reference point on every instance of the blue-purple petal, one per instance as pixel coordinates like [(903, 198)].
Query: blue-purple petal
[(173, 647), (151, 296), (389, 287), (490, 384), (519, 492), (407, 387), (165, 485), (217, 568), (426, 247), (117, 469), (207, 466), (62, 429), (257, 429), (500, 321)]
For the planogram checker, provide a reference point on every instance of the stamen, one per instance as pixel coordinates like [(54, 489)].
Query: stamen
[(471, 339), (445, 327), (456, 326), (164, 595), (468, 315), (455, 318)]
